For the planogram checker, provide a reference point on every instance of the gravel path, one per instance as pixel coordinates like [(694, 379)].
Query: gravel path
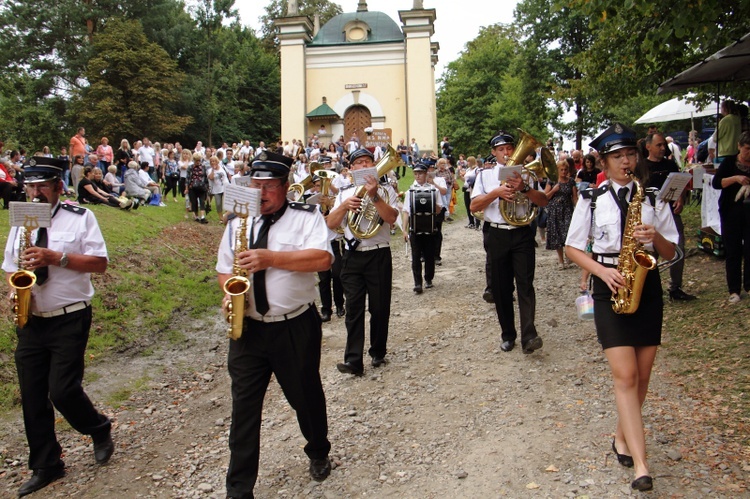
[(450, 415)]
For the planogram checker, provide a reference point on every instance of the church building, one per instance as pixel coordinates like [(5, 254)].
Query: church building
[(360, 71)]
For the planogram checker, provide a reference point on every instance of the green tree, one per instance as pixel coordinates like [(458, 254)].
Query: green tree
[(277, 8), (560, 35), (639, 45), (131, 86), (483, 91)]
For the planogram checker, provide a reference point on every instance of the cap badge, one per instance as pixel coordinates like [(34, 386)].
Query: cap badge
[(32, 162), (618, 128), (263, 156)]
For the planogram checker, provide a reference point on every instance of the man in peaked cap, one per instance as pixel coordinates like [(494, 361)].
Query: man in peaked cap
[(367, 268), (510, 248), (49, 355), (288, 244)]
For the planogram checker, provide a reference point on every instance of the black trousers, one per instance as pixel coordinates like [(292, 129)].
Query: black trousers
[(467, 202), (332, 276), (367, 276), (422, 245), (676, 270), (439, 218), (735, 232), (291, 351), (171, 184), (49, 360), (487, 265), (511, 255)]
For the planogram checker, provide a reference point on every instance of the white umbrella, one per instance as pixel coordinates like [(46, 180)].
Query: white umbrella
[(674, 110)]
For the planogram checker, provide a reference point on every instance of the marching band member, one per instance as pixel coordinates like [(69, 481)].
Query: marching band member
[(49, 355), (367, 269), (333, 275), (422, 243), (510, 248), (282, 331), (629, 340)]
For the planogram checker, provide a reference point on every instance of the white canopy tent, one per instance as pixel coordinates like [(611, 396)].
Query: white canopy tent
[(674, 110)]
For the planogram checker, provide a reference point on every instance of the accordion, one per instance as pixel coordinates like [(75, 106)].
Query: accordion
[(422, 207)]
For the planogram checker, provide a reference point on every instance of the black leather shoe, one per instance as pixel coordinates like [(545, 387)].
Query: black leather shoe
[(428, 284), (325, 316), (320, 469), (678, 294), (642, 483), (533, 344), (340, 312), (349, 368), (487, 296), (418, 290), (623, 459), (41, 478), (103, 449), (507, 346), (438, 261), (378, 361)]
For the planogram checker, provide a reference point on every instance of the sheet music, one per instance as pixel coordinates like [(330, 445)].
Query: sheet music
[(32, 215), (674, 185), (359, 175), (506, 172), (243, 181), (242, 201)]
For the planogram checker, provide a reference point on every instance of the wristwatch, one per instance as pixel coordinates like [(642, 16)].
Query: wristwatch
[(526, 188), (64, 260)]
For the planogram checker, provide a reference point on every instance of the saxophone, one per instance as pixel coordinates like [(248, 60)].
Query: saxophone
[(238, 285), (635, 262), (22, 280)]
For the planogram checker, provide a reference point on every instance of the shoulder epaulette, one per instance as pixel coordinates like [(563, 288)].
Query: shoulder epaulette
[(593, 192), (310, 208), (651, 193), (347, 187), (78, 210)]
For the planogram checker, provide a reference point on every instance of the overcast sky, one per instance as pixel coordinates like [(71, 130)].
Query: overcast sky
[(457, 21)]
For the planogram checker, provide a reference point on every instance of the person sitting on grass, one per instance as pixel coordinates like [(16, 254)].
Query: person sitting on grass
[(135, 187), (88, 192)]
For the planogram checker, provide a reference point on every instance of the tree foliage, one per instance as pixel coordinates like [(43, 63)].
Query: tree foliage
[(277, 8), (128, 95), (484, 91)]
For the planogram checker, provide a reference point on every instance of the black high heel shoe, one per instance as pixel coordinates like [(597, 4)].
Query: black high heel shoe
[(623, 459), (642, 483)]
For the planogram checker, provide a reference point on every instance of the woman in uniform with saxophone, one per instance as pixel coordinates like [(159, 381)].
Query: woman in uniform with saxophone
[(626, 226)]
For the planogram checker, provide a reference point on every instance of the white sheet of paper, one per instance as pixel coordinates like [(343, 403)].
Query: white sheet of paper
[(360, 175), (242, 201), (243, 181), (314, 199), (674, 185), (31, 215), (506, 172)]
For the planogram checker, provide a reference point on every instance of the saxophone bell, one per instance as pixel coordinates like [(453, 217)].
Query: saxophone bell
[(237, 286)]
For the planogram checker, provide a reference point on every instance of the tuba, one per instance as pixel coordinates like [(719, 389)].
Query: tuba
[(543, 167), (366, 222), (22, 280), (238, 285), (635, 262), (297, 191)]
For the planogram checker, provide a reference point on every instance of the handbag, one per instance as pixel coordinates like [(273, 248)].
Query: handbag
[(585, 306)]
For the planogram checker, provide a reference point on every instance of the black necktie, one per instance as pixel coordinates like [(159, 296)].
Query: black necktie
[(41, 242), (259, 279), (622, 195)]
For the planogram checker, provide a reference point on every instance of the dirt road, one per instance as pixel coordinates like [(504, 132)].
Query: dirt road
[(450, 415)]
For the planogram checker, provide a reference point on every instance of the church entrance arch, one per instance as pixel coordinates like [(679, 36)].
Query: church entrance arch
[(356, 119)]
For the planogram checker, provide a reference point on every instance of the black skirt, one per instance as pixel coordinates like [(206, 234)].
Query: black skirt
[(643, 328)]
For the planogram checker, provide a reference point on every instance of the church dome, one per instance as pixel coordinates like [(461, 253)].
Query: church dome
[(358, 27)]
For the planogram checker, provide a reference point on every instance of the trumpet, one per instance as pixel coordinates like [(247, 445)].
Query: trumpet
[(297, 191)]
